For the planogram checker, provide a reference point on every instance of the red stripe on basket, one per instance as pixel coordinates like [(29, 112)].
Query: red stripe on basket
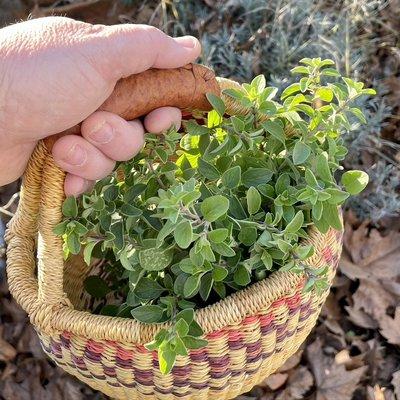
[(278, 303), (266, 320), (216, 334), (250, 320), (327, 253), (95, 347), (294, 301), (124, 354), (141, 349)]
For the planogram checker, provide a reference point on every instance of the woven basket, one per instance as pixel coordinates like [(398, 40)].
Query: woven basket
[(250, 333)]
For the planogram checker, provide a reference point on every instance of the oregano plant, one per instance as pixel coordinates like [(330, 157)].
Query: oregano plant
[(203, 213)]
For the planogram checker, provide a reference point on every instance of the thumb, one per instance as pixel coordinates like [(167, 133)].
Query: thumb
[(123, 50)]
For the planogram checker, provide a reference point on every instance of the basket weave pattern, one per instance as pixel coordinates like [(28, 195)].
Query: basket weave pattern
[(250, 334)]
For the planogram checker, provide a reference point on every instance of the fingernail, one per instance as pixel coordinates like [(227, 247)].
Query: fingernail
[(76, 156), (102, 133), (187, 41)]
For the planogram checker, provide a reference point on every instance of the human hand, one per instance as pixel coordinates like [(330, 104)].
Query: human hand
[(55, 72)]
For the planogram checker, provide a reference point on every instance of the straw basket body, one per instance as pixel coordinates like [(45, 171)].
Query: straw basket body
[(250, 334)]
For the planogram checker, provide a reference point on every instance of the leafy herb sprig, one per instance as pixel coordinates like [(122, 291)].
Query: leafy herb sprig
[(204, 213)]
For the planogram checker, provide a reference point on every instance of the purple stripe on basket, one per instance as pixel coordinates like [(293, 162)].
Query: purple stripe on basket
[(143, 377), (181, 383), (127, 385), (102, 378), (166, 392), (305, 307), (219, 374), (55, 346), (181, 371), (109, 371), (305, 314), (267, 355), (219, 362), (254, 351), (65, 342), (92, 356), (235, 345), (198, 356), (254, 358), (265, 330), (199, 386), (79, 362), (126, 364)]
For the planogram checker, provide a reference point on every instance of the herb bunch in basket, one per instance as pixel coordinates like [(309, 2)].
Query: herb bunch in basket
[(204, 213)]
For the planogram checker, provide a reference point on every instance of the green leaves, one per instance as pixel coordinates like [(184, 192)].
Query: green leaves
[(208, 170), (253, 199), (70, 208), (195, 129), (199, 214), (241, 276), (194, 343), (355, 181), (183, 234), (214, 207), (275, 128), (217, 103), (323, 169), (301, 152), (148, 289), (256, 176), (296, 223), (324, 93), (218, 235), (191, 286), (231, 177), (154, 259), (148, 314)]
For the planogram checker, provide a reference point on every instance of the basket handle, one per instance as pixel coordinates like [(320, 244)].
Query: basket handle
[(136, 95)]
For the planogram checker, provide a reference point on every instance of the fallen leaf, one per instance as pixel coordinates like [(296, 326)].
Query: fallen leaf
[(292, 361), (7, 351), (29, 342), (299, 383), (332, 381), (368, 254), (372, 298), (275, 381), (361, 318), (352, 270), (390, 327)]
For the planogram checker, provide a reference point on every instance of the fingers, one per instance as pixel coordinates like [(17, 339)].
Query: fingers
[(113, 136), (76, 155), (136, 48), (106, 138), (75, 185), (162, 119)]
